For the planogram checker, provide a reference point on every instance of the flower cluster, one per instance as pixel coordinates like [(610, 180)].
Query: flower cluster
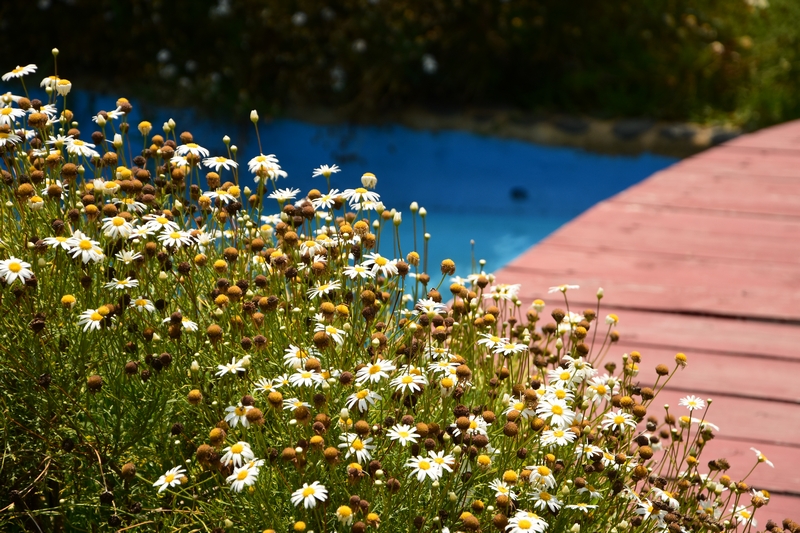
[(208, 354)]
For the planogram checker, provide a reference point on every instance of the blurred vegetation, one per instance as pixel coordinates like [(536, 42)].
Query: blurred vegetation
[(700, 60)]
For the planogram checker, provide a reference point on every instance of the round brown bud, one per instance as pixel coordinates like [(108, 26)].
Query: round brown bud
[(94, 383), (662, 370), (194, 397), (645, 452), (331, 454), (288, 454), (214, 332), (128, 471), (510, 429)]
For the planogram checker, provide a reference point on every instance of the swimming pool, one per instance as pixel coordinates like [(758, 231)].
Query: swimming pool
[(505, 195)]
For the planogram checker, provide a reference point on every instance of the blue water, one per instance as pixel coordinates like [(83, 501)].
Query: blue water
[(505, 195)]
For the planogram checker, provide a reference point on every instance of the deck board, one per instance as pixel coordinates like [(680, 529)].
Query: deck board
[(702, 258)]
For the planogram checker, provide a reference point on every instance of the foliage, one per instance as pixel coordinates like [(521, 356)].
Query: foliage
[(705, 60), (180, 358)]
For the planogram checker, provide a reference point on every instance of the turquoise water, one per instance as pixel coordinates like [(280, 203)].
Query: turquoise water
[(505, 195)]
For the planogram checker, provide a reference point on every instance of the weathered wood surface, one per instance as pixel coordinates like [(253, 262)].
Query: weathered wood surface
[(702, 258)]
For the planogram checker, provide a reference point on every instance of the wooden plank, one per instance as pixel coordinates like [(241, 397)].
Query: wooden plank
[(755, 163), (767, 195), (641, 330), (696, 284), (712, 375), (781, 137), (658, 229)]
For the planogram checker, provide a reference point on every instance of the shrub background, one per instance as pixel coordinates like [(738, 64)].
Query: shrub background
[(703, 60)]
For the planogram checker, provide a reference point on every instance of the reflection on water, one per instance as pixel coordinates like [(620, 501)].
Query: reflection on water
[(504, 194)]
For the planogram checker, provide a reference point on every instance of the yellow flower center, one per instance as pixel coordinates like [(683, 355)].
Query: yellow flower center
[(564, 376), (424, 465), (381, 261), (237, 448), (374, 369), (557, 410), (308, 491), (14, 267), (619, 419), (361, 190), (306, 375), (168, 478), (85, 245), (357, 445), (407, 379), (242, 475), (544, 496), (118, 221), (240, 411), (524, 524), (141, 302), (561, 394), (97, 317), (78, 142), (543, 471), (362, 394)]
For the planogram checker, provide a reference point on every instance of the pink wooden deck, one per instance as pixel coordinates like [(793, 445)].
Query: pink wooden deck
[(703, 258)]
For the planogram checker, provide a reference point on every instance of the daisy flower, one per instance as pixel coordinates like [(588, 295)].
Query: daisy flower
[(561, 376), (81, 246), (117, 228), (666, 497), (377, 263), (266, 166), (332, 331), (444, 462), (521, 406), (501, 488), (325, 170), (284, 195), (600, 388), (224, 197), (344, 514), (179, 161), (358, 271), (192, 148), (219, 162), (171, 478), (232, 368), (374, 373), (477, 426), (762, 458), (692, 403), (237, 454), (357, 446), (491, 341), (360, 195), (542, 475), (363, 399), (81, 148), (127, 256), (91, 319), (320, 289), (142, 304), (557, 437), (308, 495), (237, 414), (563, 288), (616, 419), (9, 115), (122, 284), (503, 292), (544, 500), (585, 507), (526, 522), (295, 357), (9, 138), (19, 71), (13, 269), (428, 306), (290, 404), (156, 223), (175, 238), (423, 467), (305, 378), (242, 477), (409, 383), (403, 433), (556, 411), (326, 201), (509, 348)]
